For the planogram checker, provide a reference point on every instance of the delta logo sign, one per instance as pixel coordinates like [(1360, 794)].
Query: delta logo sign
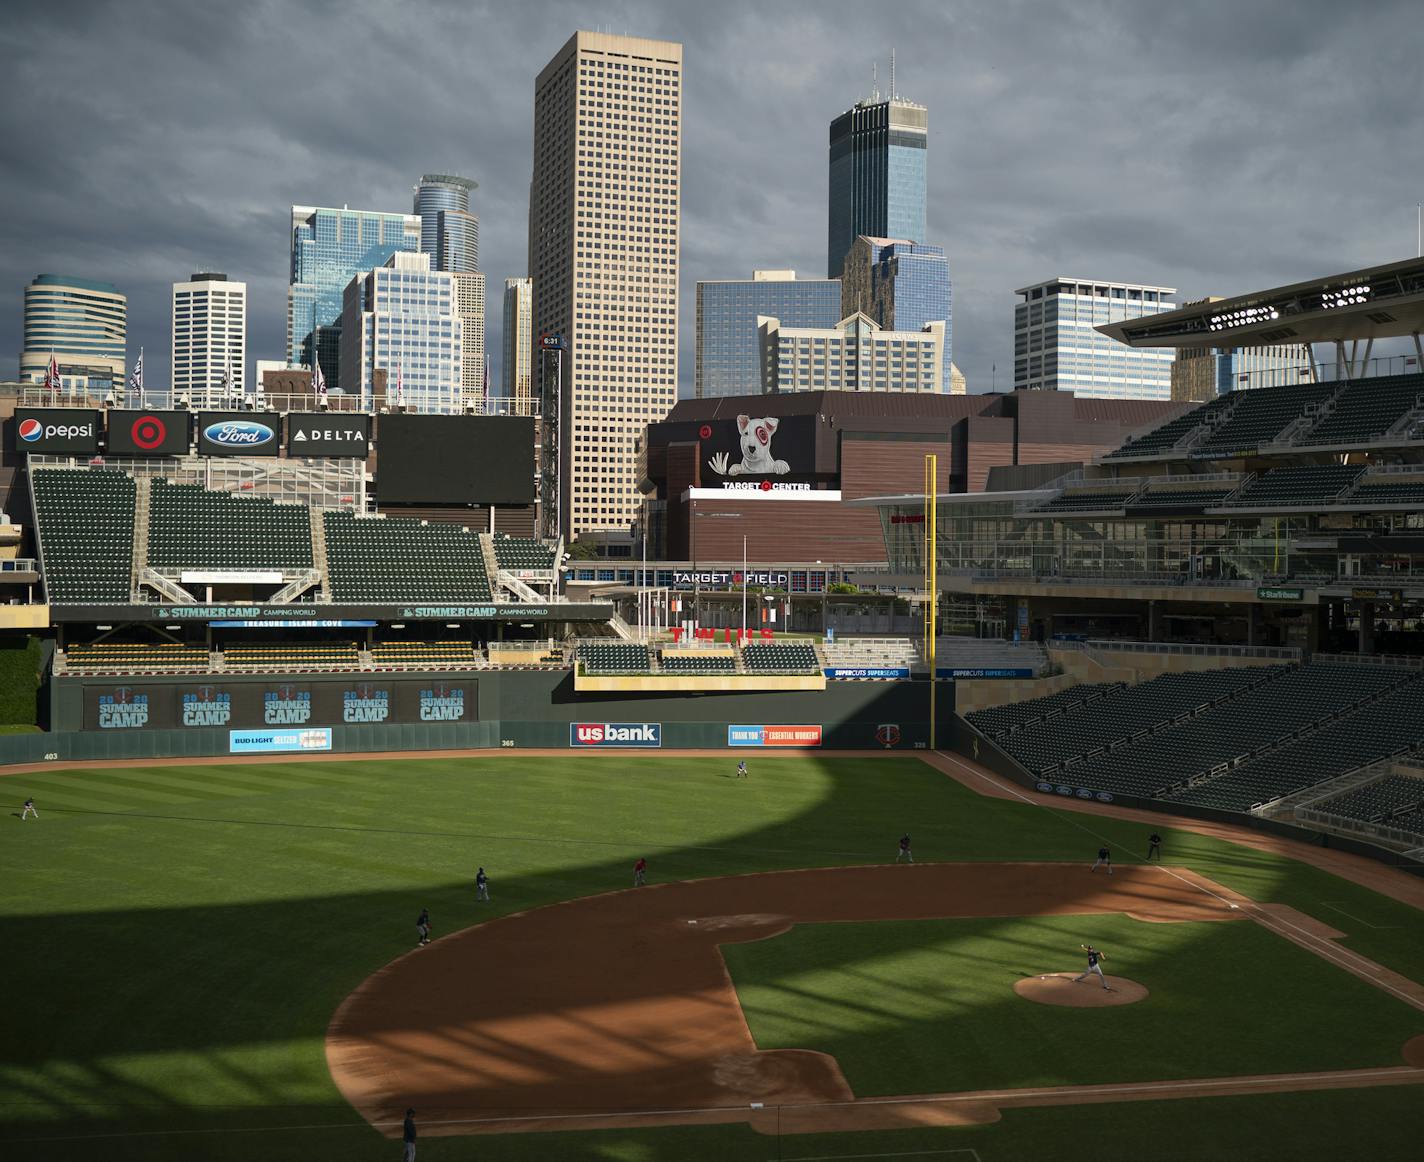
[(239, 434), (615, 734)]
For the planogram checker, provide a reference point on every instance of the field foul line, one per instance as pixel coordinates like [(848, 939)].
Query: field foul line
[(1357, 920), (973, 1153)]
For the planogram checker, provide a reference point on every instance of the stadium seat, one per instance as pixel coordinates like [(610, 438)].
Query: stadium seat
[(396, 559), (1259, 416), (997, 721), (85, 520), (515, 553), (127, 656), (780, 657), (423, 654), (1299, 484), (1367, 408), (698, 664), (193, 528), (614, 657), (1377, 802), (1107, 499), (291, 656)]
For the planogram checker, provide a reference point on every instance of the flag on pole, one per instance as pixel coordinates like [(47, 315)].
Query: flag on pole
[(400, 388), (318, 381), (136, 379), (226, 388), (51, 379)]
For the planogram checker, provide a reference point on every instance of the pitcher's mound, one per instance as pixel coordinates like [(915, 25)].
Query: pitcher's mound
[(1059, 988)]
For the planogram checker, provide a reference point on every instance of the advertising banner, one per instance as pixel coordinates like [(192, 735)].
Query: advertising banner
[(278, 741), (1069, 792), (204, 705), (59, 431), (615, 734), (239, 433), (808, 735), (957, 672), (854, 672), (434, 459), (149, 433), (122, 708), (329, 434)]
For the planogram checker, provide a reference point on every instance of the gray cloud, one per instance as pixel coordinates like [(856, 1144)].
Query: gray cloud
[(1211, 146)]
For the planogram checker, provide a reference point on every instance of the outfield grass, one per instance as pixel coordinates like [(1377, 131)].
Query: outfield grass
[(928, 1006), (176, 938)]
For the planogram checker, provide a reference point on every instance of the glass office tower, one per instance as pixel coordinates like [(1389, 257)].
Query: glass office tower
[(877, 178), (449, 233), (728, 351), (1057, 348), (83, 324), (329, 249), (902, 285)]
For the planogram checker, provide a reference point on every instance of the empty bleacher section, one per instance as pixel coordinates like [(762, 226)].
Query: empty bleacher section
[(400, 559), (1260, 415), (997, 721), (194, 528), (614, 657), (122, 657), (423, 655), (1301, 484), (1388, 488), (698, 663), (885, 652), (299, 656), (1100, 499), (1367, 409), (972, 653), (1177, 498), (1379, 801), (86, 531), (1163, 439), (1259, 717), (515, 553), (1127, 712), (1389, 725), (780, 657)]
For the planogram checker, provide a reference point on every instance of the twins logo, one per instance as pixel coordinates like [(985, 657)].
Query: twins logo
[(442, 703), (287, 705), (207, 706), (887, 734), (365, 703), (124, 709), (757, 458)]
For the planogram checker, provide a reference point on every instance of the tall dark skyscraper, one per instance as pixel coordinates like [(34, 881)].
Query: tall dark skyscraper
[(877, 183)]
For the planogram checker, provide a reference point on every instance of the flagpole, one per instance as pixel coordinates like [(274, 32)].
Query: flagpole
[(744, 586)]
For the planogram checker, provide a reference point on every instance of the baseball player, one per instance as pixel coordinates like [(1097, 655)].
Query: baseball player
[(408, 1137), (422, 927), (482, 886), (1094, 957), (742, 769), (1104, 858), (904, 851), (1154, 844), (640, 872), (29, 810)]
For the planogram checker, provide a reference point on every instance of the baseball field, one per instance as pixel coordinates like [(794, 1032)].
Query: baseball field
[(219, 961)]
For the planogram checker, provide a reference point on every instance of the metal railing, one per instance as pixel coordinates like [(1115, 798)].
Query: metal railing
[(1181, 649)]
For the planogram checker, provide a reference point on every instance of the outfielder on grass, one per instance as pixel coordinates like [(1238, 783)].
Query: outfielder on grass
[(29, 810), (904, 851), (481, 885)]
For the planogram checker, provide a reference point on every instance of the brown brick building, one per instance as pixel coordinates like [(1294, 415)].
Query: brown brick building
[(781, 478)]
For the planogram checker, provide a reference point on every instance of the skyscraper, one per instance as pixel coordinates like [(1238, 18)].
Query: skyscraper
[(449, 233), (854, 355), (470, 306), (402, 315), (329, 249), (84, 325), (1057, 349), (209, 340), (877, 179), (902, 285), (728, 350), (518, 362), (603, 254)]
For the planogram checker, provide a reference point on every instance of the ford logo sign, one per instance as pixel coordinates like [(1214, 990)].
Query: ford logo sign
[(238, 434), (1046, 787)]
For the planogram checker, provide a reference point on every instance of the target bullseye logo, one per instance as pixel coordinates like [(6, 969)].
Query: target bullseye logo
[(149, 432), (30, 430)]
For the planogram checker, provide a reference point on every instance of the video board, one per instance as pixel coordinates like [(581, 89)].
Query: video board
[(430, 459)]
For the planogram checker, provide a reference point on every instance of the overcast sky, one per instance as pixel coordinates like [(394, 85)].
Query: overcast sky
[(1214, 147)]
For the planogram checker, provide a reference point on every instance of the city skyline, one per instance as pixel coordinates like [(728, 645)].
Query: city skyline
[(1011, 195)]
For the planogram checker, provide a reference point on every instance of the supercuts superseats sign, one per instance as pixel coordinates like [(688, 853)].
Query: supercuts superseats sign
[(328, 434), (66, 431)]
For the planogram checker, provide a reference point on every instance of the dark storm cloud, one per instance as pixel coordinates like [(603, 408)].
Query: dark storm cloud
[(1215, 147)]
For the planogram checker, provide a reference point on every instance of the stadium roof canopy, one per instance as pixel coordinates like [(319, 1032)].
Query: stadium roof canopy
[(1378, 302)]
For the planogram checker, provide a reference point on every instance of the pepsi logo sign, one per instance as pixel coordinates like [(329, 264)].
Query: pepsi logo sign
[(31, 430), (238, 434)]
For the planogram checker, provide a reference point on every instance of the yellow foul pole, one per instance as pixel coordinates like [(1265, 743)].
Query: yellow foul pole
[(931, 587)]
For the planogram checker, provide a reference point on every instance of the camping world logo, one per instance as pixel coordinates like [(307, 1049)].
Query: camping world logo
[(287, 705), (30, 430), (887, 734), (124, 709), (207, 706), (442, 703), (365, 703)]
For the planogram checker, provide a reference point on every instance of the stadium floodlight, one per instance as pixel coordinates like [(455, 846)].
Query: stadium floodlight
[(1348, 297)]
